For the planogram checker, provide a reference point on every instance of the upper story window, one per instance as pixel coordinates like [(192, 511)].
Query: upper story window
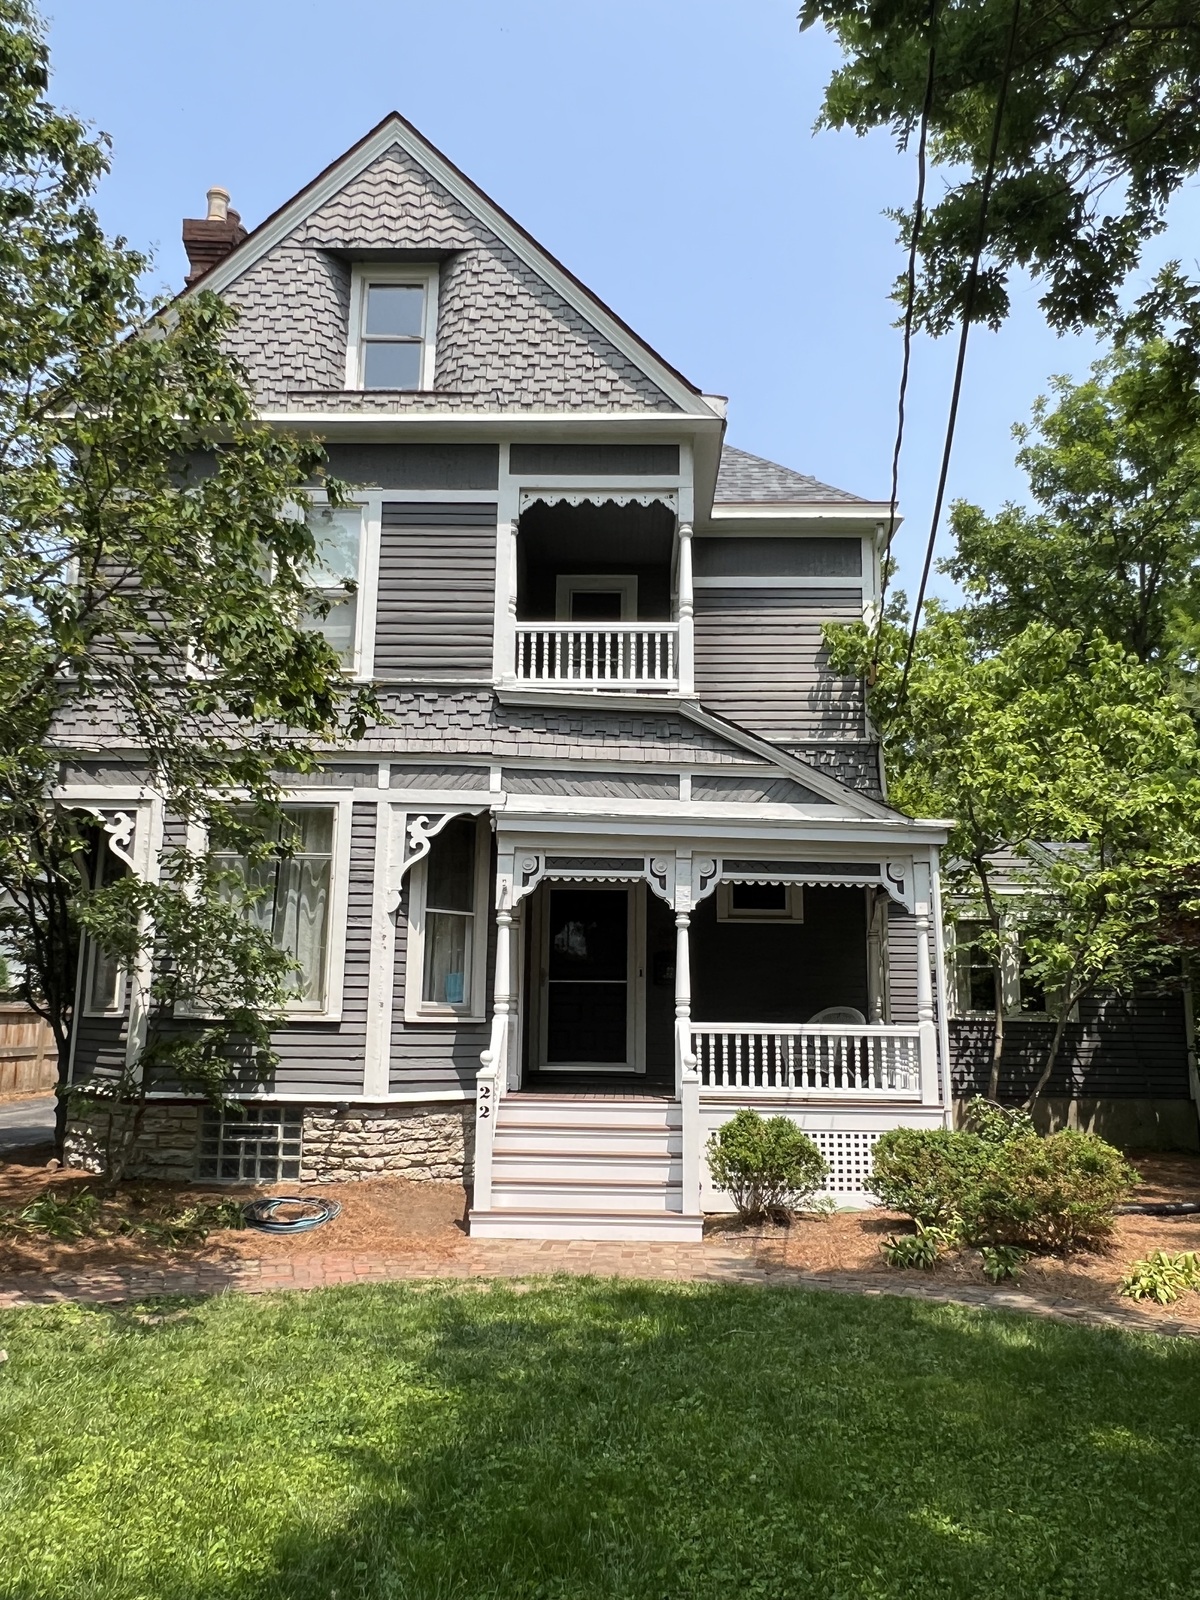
[(393, 324), (338, 532)]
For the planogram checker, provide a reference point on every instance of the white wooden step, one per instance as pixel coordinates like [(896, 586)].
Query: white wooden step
[(584, 1194), (573, 1111), (607, 1165), (630, 1226), (570, 1141)]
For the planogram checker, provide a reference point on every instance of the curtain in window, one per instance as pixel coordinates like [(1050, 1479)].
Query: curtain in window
[(449, 915), (291, 897)]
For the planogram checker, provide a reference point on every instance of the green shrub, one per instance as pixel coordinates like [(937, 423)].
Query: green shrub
[(931, 1174), (1058, 1193), (996, 1123), (768, 1166), (1162, 1277)]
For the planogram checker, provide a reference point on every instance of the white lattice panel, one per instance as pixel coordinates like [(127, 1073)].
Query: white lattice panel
[(849, 1156)]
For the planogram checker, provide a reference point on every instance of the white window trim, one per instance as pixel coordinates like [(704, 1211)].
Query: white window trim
[(1010, 975), (568, 583), (362, 658), (793, 912), (424, 273), (93, 952), (417, 1009), (300, 1011)]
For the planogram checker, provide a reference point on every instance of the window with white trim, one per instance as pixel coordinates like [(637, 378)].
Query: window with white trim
[(760, 902), (339, 535), (291, 894), (104, 973), (393, 326), (973, 982), (445, 971)]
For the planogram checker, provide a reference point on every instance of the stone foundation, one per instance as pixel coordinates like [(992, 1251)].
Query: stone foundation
[(434, 1141), (430, 1141)]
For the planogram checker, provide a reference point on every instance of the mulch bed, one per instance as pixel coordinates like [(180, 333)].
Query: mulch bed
[(396, 1218), (850, 1242)]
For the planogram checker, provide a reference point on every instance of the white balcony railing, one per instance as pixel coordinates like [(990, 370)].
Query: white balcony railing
[(809, 1058), (631, 655)]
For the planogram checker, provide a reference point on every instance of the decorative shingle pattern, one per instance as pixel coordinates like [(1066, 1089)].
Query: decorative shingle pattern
[(854, 763), (506, 339), (747, 480)]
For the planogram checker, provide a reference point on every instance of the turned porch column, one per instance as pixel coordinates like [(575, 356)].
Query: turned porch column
[(687, 1079), (686, 667)]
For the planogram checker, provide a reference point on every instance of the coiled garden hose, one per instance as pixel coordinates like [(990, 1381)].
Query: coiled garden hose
[(261, 1214)]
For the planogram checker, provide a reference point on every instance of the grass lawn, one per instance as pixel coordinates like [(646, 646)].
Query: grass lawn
[(590, 1439)]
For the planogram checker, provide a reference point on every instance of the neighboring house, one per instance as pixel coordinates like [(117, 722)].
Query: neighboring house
[(1126, 1067), (623, 838)]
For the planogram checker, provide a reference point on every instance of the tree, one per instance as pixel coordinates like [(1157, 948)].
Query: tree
[(1100, 127), (157, 575), (1045, 737), (1115, 536)]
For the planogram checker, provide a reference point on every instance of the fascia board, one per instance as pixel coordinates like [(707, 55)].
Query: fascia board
[(668, 830), (393, 130), (649, 425), (812, 511)]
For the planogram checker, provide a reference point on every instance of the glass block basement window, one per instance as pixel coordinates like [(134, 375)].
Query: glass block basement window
[(261, 1147)]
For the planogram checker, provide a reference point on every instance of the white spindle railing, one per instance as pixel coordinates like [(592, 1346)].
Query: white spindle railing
[(629, 654), (809, 1058)]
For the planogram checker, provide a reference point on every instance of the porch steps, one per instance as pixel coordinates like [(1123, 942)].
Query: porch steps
[(586, 1167)]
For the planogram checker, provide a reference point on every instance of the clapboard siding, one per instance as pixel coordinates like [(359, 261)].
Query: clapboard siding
[(327, 1058), (433, 1057), (99, 1048), (606, 785), (1119, 1049), (761, 661), (437, 575), (902, 964)]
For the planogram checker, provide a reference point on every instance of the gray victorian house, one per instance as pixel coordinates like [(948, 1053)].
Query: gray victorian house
[(621, 860)]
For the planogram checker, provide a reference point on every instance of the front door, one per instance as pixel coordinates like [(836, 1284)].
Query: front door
[(591, 981)]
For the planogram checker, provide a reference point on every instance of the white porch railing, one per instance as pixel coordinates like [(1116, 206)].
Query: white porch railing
[(809, 1058), (635, 655)]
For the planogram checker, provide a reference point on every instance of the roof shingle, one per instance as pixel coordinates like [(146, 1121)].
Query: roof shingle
[(744, 479)]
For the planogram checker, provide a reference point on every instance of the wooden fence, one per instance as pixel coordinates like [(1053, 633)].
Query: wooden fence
[(27, 1055)]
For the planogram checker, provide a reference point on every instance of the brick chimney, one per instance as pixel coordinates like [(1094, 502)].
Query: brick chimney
[(209, 239)]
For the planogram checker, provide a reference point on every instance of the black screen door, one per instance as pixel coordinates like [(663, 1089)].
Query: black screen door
[(587, 978)]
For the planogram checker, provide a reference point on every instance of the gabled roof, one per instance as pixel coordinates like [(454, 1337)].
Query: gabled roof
[(395, 130), (744, 479)]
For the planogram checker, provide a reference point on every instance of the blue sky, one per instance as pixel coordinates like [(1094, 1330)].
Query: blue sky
[(662, 149)]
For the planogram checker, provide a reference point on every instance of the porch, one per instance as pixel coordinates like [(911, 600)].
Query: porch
[(639, 1002)]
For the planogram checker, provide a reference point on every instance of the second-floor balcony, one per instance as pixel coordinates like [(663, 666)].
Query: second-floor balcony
[(618, 655), (601, 599)]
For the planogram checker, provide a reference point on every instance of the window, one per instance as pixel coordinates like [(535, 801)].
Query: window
[(291, 898), (104, 976), (262, 1146), (975, 982), (393, 320), (447, 947), (760, 902), (338, 532), (595, 597)]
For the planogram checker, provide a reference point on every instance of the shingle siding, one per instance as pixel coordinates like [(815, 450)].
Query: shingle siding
[(506, 340)]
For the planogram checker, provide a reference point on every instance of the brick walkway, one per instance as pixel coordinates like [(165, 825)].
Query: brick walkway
[(710, 1262)]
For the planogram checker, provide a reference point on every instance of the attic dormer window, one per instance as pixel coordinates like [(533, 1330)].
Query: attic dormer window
[(393, 323)]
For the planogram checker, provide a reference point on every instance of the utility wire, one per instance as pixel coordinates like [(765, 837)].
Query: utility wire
[(968, 306), (910, 298)]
